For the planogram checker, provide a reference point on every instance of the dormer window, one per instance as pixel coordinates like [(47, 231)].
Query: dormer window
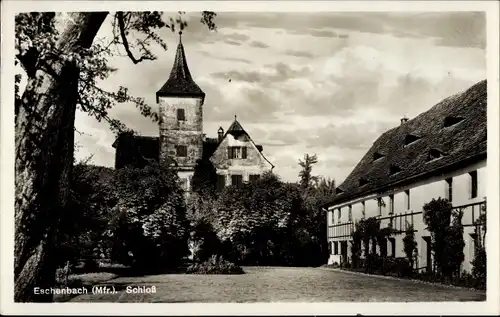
[(362, 182), (451, 121), (434, 154), (377, 156), (338, 191), (394, 169), (410, 138)]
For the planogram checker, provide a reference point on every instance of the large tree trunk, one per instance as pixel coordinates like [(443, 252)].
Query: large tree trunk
[(44, 158)]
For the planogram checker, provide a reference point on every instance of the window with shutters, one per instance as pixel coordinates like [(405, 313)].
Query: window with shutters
[(181, 115), (237, 181), (181, 150), (237, 152), (254, 178)]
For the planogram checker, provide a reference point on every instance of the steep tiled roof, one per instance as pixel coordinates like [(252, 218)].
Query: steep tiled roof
[(450, 134), (180, 83)]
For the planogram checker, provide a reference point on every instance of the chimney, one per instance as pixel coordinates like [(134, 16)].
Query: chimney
[(220, 134), (404, 120)]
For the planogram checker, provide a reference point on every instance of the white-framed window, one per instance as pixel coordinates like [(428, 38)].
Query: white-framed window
[(339, 214), (350, 213)]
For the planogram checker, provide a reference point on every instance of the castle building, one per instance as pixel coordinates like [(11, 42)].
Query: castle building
[(439, 153), (181, 142)]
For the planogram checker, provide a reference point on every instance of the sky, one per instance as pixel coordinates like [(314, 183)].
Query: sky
[(319, 83)]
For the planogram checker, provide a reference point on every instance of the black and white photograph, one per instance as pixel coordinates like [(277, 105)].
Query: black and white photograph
[(331, 153)]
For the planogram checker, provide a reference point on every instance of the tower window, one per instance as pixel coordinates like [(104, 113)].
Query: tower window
[(181, 115), (237, 181), (181, 150), (473, 184)]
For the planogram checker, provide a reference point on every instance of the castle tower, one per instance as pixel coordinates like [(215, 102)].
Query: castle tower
[(180, 102)]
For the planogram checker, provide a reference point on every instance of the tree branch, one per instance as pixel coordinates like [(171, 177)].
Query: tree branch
[(121, 24)]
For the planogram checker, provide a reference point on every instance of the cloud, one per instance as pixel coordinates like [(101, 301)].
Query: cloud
[(325, 83), (258, 44), (298, 53), (276, 73)]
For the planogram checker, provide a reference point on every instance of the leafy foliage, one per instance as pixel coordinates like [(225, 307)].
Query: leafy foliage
[(37, 36), (148, 228), (447, 239), (215, 265), (410, 245)]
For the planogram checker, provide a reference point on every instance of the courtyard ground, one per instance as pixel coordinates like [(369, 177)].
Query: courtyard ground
[(278, 285)]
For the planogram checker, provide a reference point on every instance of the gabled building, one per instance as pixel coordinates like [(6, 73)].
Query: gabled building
[(181, 142), (439, 153)]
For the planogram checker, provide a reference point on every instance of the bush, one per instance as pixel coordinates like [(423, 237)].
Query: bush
[(479, 267), (215, 265)]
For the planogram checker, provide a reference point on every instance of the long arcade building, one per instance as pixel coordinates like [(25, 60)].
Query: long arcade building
[(439, 153)]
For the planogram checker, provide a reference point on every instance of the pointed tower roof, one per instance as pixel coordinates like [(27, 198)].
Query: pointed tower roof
[(180, 83)]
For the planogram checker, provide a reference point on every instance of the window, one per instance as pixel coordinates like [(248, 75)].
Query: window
[(391, 204), (392, 243), (377, 156), (339, 215), (363, 209), (407, 199), (380, 204), (181, 115), (335, 247), (350, 213), (434, 154), (410, 139), (254, 178), (450, 121), (221, 181), (393, 169), (473, 184), (237, 152), (237, 181), (181, 150), (449, 189)]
